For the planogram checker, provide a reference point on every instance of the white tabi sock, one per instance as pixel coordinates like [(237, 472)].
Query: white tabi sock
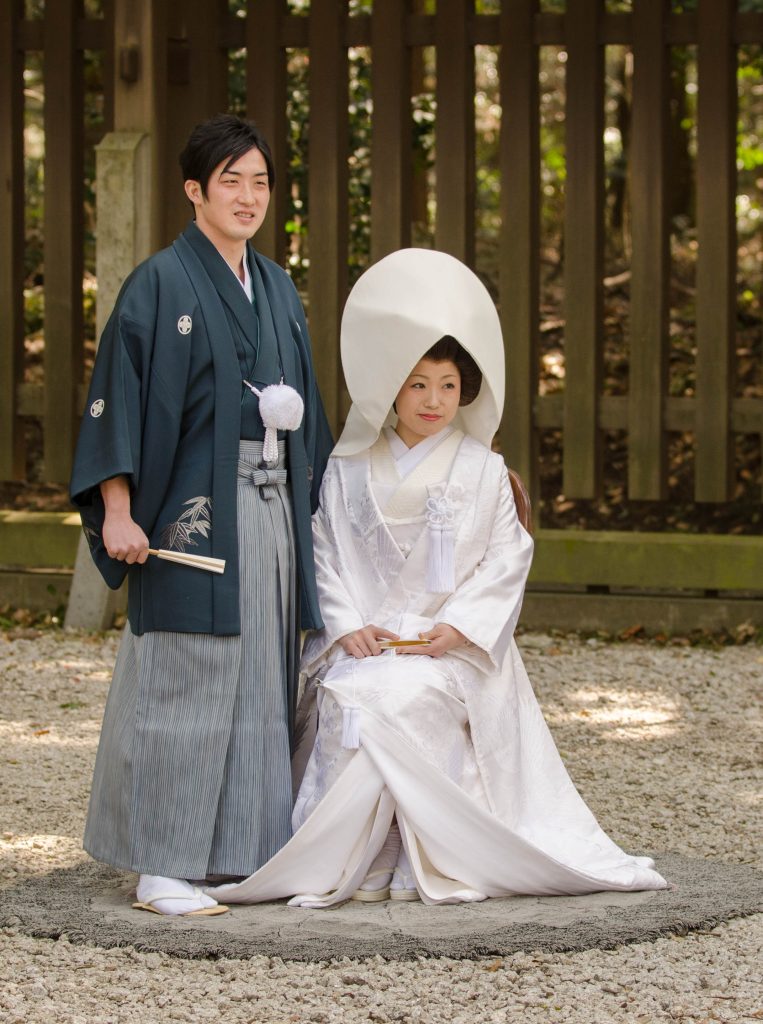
[(380, 872), (183, 897)]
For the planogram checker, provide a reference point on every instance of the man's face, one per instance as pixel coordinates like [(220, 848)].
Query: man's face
[(236, 201)]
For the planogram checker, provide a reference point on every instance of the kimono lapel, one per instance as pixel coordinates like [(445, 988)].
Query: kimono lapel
[(278, 316), (267, 368), (459, 491), (227, 422), (226, 285)]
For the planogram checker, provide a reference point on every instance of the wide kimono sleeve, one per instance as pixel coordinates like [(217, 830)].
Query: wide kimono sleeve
[(110, 437), (485, 607), (338, 609)]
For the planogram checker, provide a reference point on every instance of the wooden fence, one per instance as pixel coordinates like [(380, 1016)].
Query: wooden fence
[(167, 67)]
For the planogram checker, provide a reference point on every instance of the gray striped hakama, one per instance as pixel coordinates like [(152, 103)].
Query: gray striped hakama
[(192, 776)]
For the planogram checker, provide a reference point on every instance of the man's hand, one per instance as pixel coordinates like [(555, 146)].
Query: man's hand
[(444, 638), (122, 537), (363, 643)]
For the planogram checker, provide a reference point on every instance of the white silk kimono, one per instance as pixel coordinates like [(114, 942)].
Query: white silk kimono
[(456, 747)]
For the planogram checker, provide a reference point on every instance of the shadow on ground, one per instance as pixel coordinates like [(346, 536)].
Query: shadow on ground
[(91, 903)]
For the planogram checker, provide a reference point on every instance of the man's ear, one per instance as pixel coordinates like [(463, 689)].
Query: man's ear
[(193, 191)]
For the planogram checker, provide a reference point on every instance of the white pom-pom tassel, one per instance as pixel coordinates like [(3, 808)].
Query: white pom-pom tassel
[(281, 408), (351, 728)]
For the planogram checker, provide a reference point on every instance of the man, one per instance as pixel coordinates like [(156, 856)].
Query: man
[(192, 777)]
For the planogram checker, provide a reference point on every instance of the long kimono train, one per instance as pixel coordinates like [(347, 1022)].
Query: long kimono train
[(192, 775), (455, 747)]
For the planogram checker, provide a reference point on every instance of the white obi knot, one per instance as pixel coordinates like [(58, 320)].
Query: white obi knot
[(441, 506)]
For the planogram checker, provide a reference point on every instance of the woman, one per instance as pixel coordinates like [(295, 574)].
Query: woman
[(426, 771)]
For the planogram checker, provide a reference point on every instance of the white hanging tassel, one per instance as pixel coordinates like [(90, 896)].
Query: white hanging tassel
[(351, 727), (281, 408), (441, 569), (441, 565)]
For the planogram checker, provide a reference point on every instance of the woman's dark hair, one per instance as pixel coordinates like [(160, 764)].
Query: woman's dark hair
[(222, 137), (447, 348)]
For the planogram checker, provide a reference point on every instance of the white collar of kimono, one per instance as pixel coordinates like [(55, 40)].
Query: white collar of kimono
[(246, 284), (407, 459), (398, 309)]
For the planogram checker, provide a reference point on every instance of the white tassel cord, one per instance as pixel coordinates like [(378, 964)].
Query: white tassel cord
[(441, 566)]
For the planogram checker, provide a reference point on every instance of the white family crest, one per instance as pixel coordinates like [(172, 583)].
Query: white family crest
[(96, 409), (185, 324)]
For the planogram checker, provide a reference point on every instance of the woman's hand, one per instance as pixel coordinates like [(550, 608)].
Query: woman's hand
[(363, 643), (444, 638)]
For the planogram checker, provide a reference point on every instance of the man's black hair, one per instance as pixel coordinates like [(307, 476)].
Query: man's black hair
[(222, 137)]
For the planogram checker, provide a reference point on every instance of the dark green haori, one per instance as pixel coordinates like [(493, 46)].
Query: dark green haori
[(167, 409)]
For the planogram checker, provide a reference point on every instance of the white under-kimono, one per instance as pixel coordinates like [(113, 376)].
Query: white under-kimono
[(455, 747)]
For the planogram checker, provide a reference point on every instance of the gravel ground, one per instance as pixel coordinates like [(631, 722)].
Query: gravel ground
[(663, 742)]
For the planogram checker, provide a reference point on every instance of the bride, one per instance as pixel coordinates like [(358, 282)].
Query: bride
[(423, 766)]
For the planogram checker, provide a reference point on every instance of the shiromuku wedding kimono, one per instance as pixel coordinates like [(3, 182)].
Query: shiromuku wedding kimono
[(455, 747)]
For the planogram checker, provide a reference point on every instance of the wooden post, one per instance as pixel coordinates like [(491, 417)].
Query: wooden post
[(63, 233), (650, 264), (716, 263), (454, 130), (266, 105), (583, 237), (129, 220), (140, 66), (11, 240), (519, 157), (327, 193), (391, 140)]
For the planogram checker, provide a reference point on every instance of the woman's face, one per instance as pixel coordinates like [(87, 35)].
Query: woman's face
[(428, 400)]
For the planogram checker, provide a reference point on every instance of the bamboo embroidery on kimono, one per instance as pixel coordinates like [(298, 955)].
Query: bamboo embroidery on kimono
[(178, 536), (91, 536)]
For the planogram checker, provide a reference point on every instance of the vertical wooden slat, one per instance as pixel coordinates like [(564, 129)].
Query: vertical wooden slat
[(716, 264), (11, 239), (140, 27), (63, 233), (391, 140), (650, 264), (197, 88), (518, 280), (108, 66), (327, 193), (266, 105), (454, 132), (583, 234)]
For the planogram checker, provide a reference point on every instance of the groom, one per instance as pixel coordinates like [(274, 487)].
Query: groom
[(192, 776)]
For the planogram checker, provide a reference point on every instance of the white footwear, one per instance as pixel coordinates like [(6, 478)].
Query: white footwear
[(174, 897), (375, 887), (403, 887)]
